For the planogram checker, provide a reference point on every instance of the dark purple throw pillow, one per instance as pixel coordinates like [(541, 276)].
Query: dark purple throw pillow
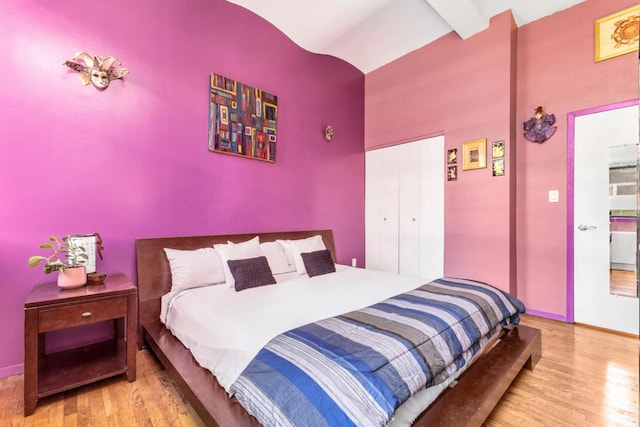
[(318, 263), (251, 272)]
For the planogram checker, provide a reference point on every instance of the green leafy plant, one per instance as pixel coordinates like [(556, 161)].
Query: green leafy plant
[(65, 254)]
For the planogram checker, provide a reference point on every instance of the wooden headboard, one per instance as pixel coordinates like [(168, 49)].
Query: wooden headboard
[(154, 275)]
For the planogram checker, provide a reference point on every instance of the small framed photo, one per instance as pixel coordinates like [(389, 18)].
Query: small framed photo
[(497, 149), (474, 154), (617, 34), (498, 167), (452, 173), (452, 156)]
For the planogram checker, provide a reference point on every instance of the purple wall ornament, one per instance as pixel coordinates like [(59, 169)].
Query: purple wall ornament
[(540, 127)]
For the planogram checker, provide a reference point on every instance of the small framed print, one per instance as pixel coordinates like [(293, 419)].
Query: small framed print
[(474, 154), (498, 167), (452, 156), (497, 149), (452, 173)]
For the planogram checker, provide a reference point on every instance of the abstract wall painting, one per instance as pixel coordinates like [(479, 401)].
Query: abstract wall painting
[(242, 119)]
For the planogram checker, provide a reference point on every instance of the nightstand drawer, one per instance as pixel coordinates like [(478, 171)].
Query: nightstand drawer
[(81, 314)]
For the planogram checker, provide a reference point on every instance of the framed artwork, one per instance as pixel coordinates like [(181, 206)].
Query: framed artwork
[(452, 156), (617, 33), (242, 119), (497, 149), (474, 154), (498, 167), (452, 173)]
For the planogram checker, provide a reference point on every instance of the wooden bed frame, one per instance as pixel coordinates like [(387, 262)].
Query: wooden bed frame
[(468, 403)]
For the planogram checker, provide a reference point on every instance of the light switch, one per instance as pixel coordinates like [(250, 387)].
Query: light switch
[(554, 196)]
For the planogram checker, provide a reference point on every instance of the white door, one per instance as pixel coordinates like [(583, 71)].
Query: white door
[(432, 173), (381, 210), (593, 302), (409, 208)]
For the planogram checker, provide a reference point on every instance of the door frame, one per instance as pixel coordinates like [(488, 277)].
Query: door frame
[(571, 123)]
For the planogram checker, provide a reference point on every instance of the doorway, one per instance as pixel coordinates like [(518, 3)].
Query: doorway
[(602, 218)]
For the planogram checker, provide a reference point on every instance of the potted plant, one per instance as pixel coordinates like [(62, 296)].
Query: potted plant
[(67, 259)]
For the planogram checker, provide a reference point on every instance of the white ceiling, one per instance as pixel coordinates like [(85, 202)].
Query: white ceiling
[(371, 33)]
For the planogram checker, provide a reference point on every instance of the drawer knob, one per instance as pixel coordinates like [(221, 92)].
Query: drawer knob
[(86, 314)]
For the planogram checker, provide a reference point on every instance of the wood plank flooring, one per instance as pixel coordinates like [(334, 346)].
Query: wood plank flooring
[(586, 377), (623, 283)]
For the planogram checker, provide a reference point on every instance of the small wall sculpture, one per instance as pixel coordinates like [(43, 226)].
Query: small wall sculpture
[(329, 132), (540, 127), (96, 70), (242, 119)]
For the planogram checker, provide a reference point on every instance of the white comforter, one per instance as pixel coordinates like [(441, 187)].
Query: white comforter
[(225, 329)]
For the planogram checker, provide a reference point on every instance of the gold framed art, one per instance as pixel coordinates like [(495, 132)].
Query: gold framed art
[(617, 34), (474, 154)]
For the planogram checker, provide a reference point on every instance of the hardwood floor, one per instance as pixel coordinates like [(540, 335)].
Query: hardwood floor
[(586, 377), (623, 283)]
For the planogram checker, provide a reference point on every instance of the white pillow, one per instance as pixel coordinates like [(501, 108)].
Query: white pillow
[(191, 269), (276, 257), (243, 250), (301, 246), (287, 251)]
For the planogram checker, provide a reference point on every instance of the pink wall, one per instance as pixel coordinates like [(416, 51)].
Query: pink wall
[(133, 162), (462, 88), (563, 77)]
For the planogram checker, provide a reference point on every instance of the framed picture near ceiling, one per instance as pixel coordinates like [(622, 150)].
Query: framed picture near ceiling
[(242, 119), (617, 34), (474, 154)]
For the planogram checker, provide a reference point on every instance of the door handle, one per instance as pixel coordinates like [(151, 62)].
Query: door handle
[(583, 227)]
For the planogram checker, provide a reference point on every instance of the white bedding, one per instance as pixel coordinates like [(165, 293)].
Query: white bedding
[(225, 329)]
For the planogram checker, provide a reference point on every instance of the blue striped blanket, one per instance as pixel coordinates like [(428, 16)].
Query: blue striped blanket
[(359, 367)]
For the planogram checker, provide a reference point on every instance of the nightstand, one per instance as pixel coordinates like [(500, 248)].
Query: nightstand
[(49, 308)]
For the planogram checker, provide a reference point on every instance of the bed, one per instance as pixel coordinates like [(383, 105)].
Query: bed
[(465, 399)]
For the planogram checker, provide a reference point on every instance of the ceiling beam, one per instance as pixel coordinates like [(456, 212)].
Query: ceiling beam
[(464, 16)]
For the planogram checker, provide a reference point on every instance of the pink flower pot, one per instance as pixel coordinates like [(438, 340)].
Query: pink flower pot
[(72, 277)]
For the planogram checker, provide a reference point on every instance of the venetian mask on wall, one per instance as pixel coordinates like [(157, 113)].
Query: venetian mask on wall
[(96, 70)]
